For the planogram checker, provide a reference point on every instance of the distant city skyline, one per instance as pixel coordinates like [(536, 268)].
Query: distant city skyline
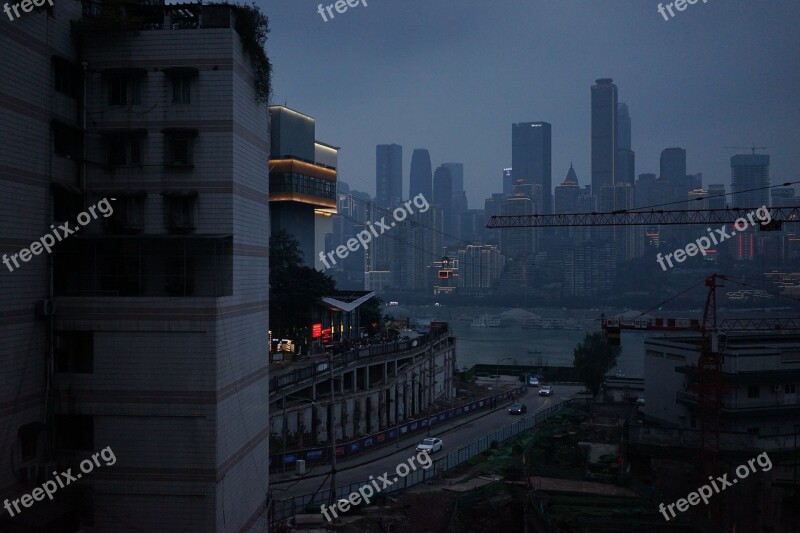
[(416, 84)]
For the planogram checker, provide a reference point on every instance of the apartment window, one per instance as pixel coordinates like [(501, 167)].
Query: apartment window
[(74, 432), (67, 140), (125, 150), (128, 215), (179, 211), (179, 144), (753, 391), (123, 90), (74, 352), (66, 77), (180, 88)]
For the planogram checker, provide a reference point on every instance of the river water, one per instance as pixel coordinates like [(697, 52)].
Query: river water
[(527, 346)]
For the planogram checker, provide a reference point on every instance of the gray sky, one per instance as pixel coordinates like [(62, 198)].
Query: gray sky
[(452, 76)]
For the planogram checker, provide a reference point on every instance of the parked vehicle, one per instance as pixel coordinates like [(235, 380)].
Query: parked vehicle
[(518, 409), (546, 390), (430, 444)]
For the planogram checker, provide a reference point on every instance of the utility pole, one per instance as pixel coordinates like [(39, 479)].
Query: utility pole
[(332, 501), (283, 424)]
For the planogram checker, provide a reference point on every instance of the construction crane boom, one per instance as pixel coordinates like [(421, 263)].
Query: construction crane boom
[(642, 218), (752, 148)]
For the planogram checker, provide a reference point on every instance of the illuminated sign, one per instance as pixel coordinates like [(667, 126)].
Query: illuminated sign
[(316, 330)]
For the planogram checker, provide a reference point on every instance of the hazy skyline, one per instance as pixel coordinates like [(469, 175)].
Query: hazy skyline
[(452, 79)]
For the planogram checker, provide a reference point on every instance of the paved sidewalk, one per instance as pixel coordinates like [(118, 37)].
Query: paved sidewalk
[(323, 468)]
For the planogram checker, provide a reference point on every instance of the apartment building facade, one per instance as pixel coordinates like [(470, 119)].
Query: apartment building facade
[(145, 331), (761, 375)]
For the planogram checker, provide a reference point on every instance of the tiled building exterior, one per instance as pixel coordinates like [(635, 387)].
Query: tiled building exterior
[(145, 331)]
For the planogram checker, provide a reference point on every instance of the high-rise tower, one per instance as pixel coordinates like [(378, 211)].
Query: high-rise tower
[(531, 160), (421, 176), (604, 134), (388, 175)]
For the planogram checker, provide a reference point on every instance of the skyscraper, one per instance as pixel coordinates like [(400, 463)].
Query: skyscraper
[(604, 134), (717, 190), (673, 165), (421, 176), (443, 198), (626, 158), (643, 193), (508, 180), (626, 239), (750, 171), (623, 127), (531, 159), (459, 195), (567, 194), (626, 167), (388, 175)]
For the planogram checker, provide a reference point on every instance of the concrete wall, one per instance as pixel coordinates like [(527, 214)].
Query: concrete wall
[(414, 387)]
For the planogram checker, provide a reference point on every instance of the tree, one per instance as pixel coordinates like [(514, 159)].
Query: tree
[(370, 315), (593, 358), (293, 288)]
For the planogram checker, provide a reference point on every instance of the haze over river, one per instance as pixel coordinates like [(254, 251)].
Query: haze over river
[(525, 346)]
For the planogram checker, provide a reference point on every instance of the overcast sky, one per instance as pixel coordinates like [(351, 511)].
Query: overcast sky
[(453, 75)]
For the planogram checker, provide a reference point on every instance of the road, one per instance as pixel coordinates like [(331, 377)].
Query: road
[(386, 459)]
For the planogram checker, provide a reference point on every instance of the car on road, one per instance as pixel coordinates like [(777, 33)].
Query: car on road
[(546, 390), (430, 445), (533, 381), (518, 409)]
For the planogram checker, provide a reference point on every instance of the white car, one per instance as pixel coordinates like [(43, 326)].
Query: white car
[(546, 390), (533, 381), (430, 445)]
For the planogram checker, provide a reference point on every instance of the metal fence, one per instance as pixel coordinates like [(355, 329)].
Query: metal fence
[(311, 503), (392, 434)]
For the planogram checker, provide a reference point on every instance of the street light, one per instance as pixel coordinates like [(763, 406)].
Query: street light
[(794, 467), (284, 424), (333, 432), (497, 371)]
